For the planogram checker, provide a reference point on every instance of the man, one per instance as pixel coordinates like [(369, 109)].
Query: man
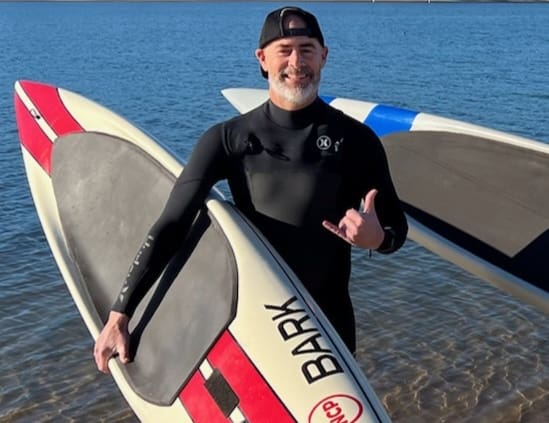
[(297, 168)]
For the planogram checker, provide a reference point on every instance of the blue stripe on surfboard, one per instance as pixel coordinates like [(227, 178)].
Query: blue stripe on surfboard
[(385, 120), (327, 98)]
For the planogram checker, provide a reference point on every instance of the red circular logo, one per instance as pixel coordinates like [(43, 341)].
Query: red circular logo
[(336, 408)]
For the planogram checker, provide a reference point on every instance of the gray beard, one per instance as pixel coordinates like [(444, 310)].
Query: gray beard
[(298, 96)]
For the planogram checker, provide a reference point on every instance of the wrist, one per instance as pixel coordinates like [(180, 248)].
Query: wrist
[(388, 242), (117, 318)]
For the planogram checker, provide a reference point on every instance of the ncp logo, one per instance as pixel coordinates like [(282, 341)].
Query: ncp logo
[(335, 409)]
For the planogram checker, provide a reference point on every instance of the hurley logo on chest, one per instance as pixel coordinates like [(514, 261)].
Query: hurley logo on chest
[(325, 143)]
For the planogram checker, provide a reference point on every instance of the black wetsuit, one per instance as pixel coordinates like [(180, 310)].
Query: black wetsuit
[(287, 172)]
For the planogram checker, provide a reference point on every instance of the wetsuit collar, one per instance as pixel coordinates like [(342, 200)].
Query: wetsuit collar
[(296, 118)]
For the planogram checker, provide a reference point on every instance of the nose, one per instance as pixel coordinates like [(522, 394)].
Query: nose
[(295, 58)]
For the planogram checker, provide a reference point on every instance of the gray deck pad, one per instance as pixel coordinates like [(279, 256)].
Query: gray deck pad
[(109, 192), (487, 197)]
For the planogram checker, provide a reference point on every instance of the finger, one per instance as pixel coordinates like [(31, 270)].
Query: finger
[(369, 201), (353, 217), (123, 353), (331, 227), (339, 231), (101, 360)]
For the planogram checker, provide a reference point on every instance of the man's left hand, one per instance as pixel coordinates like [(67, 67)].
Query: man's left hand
[(360, 228)]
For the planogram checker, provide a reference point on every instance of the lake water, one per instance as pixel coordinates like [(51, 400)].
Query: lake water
[(438, 344)]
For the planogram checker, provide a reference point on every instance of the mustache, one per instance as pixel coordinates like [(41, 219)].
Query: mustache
[(296, 71)]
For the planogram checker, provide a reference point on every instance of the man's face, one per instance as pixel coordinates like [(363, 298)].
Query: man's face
[(294, 66)]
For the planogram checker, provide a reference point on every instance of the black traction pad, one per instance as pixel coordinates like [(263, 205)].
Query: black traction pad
[(109, 192)]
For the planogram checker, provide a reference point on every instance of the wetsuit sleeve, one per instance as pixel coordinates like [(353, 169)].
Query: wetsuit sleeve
[(388, 207), (205, 167)]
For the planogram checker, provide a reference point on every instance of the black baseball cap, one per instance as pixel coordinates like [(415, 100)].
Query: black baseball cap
[(273, 28)]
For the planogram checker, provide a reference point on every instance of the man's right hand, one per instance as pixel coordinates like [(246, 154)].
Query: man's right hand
[(113, 340)]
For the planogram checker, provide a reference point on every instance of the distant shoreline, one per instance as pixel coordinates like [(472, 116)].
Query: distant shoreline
[(259, 1)]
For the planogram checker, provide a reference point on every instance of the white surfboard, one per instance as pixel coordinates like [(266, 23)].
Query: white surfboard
[(475, 196), (227, 333)]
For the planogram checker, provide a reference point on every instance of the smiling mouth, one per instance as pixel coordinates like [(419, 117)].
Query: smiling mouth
[(296, 76)]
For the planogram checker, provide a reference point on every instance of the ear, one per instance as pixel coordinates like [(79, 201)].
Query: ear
[(260, 55), (324, 55)]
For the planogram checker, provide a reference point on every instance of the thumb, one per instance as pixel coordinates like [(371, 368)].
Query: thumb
[(369, 201)]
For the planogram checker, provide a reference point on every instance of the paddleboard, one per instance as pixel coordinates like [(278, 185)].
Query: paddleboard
[(227, 333), (473, 195)]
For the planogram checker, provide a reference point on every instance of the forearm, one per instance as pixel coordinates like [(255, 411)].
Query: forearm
[(150, 260), (392, 217), (166, 235), (394, 224), (160, 244)]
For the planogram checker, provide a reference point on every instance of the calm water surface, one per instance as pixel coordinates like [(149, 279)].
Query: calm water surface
[(438, 344)]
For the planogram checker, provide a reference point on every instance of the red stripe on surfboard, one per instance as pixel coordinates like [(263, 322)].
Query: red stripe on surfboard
[(199, 403), (257, 400), (50, 106), (35, 141)]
